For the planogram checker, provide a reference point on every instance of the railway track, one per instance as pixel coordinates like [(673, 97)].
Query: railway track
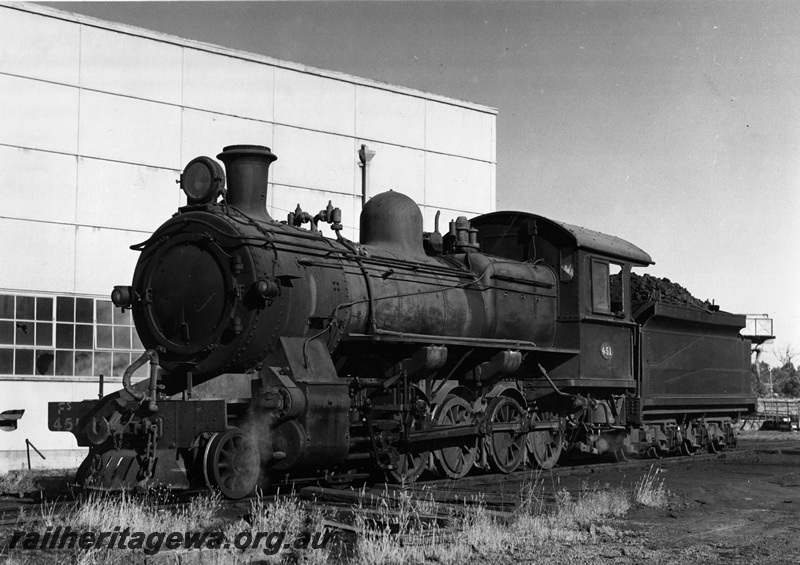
[(499, 494)]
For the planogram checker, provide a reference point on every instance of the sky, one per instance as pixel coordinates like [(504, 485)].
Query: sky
[(674, 125)]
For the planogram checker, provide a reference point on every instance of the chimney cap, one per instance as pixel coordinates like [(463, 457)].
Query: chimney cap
[(235, 150)]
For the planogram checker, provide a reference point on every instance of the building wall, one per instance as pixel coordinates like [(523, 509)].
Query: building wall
[(97, 121)]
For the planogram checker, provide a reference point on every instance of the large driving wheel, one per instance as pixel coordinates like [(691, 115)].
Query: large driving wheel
[(231, 463), (544, 446), (411, 465), (506, 449), (456, 461)]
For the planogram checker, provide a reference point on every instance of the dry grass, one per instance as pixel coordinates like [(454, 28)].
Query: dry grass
[(478, 534), (24, 481), (17, 482), (148, 514), (142, 514), (650, 490), (405, 528)]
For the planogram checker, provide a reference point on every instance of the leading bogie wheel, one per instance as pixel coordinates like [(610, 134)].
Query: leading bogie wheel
[(455, 461), (231, 463), (410, 466)]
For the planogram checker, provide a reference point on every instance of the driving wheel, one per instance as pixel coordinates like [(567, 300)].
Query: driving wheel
[(506, 449), (455, 461), (544, 446)]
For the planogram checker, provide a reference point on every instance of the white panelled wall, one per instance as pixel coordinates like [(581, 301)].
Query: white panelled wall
[(96, 122)]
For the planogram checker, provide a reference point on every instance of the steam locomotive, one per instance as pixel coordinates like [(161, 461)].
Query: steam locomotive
[(277, 354)]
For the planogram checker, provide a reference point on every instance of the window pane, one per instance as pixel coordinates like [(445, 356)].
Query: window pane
[(83, 337), (65, 309), (121, 362), (567, 266), (104, 311), (102, 364), (121, 317), (44, 308), (25, 307), (64, 363), (122, 337), (44, 333), (600, 295), (137, 343), (64, 336), (104, 337), (84, 310), (44, 362), (83, 363), (615, 288), (6, 306), (23, 362), (7, 333), (25, 333), (6, 361)]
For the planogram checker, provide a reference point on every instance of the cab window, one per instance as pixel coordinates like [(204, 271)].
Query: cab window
[(607, 288)]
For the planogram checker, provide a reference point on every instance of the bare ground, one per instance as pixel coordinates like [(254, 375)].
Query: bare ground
[(736, 507)]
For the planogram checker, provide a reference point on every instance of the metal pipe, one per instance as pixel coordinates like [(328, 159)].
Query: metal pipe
[(152, 356), (365, 155), (552, 384)]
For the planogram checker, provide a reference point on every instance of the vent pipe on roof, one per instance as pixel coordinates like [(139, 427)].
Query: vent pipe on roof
[(365, 155)]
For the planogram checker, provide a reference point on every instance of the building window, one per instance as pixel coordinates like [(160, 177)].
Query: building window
[(65, 336)]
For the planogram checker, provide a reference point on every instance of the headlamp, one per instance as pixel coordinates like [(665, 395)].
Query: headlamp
[(202, 180)]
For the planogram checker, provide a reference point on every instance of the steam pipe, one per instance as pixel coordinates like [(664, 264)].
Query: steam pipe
[(152, 356)]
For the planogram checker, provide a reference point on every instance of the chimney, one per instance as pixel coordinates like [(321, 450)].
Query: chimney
[(246, 168)]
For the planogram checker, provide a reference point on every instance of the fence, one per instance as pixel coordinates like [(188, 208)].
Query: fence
[(771, 409)]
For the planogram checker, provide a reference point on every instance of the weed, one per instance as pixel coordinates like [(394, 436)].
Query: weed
[(650, 490), (403, 527)]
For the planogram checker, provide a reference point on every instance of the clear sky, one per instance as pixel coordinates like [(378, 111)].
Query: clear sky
[(674, 125)]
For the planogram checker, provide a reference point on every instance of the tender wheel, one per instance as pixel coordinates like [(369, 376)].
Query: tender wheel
[(712, 447), (544, 447), (505, 449), (231, 463), (456, 461), (688, 448)]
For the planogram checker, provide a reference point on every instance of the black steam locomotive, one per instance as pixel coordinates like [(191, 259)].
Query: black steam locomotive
[(278, 354)]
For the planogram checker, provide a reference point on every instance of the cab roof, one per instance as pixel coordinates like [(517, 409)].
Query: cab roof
[(577, 236)]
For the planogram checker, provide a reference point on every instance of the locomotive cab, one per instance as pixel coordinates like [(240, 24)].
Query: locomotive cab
[(594, 305)]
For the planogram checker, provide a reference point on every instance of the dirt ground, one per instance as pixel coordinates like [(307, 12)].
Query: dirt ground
[(741, 506)]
